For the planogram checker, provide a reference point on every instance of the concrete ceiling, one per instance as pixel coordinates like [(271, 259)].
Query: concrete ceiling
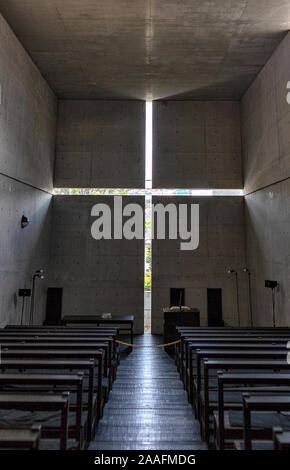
[(149, 49)]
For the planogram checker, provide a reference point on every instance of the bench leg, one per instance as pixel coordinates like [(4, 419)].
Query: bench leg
[(247, 428), (64, 428)]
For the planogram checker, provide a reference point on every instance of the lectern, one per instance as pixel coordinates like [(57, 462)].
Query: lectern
[(178, 317)]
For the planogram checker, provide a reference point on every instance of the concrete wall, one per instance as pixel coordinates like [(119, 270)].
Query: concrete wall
[(266, 123), (266, 154), (268, 251), (100, 144), (197, 145), (27, 116), (222, 246), (27, 140), (97, 276), (22, 251)]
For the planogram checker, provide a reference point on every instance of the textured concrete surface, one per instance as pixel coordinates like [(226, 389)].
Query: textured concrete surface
[(197, 145), (147, 49), (22, 251), (97, 276), (148, 407), (266, 122), (266, 155), (114, 51), (100, 144), (27, 116), (222, 246), (27, 142), (268, 251)]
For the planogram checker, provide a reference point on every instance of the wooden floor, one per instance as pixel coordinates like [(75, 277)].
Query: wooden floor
[(148, 408)]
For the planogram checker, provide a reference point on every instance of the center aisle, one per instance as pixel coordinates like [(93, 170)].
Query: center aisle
[(148, 407)]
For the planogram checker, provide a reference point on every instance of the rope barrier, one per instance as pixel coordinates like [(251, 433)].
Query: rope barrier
[(150, 346)]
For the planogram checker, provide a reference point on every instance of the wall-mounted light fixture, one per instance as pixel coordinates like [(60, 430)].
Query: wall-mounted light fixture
[(233, 271), (39, 274), (24, 221), (248, 272)]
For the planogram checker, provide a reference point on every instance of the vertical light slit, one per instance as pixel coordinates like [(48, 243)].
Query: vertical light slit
[(148, 216)]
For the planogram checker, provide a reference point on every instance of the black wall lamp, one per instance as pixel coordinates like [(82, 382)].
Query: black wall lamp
[(24, 221)]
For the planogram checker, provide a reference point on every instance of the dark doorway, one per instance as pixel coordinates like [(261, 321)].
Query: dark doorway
[(53, 306), (214, 307), (177, 297)]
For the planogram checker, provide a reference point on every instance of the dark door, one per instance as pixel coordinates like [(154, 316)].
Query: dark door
[(177, 297), (214, 307), (53, 306)]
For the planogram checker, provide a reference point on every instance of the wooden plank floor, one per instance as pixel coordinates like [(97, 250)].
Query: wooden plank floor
[(148, 407)]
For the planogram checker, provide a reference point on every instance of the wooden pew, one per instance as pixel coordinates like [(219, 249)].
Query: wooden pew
[(41, 331), (207, 405), (62, 343), (111, 356), (56, 343), (65, 354), (276, 380), (183, 354), (281, 439), (226, 340), (184, 332), (186, 339), (40, 402), (20, 438), (201, 333), (230, 329), (240, 346), (58, 327), (260, 345), (27, 383), (88, 367), (260, 404), (104, 343), (204, 354)]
